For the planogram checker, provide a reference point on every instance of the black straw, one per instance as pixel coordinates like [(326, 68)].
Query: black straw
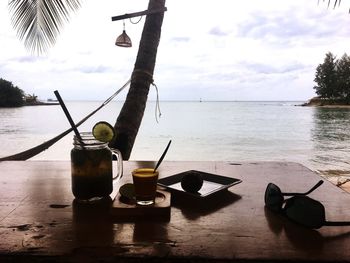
[(65, 110), (162, 157)]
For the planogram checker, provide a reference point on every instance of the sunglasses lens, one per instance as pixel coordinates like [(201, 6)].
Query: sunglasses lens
[(273, 197), (305, 211)]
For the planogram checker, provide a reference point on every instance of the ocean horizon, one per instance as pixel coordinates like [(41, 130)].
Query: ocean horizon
[(237, 131)]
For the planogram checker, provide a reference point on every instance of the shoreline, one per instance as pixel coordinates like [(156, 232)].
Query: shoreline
[(325, 103), (339, 106), (40, 103), (340, 178)]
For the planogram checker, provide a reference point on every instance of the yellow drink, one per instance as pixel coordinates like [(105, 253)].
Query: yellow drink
[(145, 182)]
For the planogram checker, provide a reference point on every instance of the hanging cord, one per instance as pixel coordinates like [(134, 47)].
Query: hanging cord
[(157, 104), (41, 147), (136, 21), (148, 77)]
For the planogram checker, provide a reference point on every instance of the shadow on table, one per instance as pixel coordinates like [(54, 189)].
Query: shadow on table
[(193, 207), (92, 223), (299, 236), (154, 236)]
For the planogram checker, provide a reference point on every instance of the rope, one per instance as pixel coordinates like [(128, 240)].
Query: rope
[(143, 74), (148, 76), (132, 22), (140, 73), (157, 104), (41, 147)]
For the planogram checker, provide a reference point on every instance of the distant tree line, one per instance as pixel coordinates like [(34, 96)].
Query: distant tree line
[(10, 95), (333, 79)]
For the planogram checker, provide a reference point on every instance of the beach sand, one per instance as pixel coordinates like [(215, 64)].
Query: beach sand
[(340, 178)]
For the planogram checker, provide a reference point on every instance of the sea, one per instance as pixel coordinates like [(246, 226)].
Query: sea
[(235, 131)]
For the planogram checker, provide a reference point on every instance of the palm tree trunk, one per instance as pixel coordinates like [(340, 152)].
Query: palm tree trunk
[(130, 117)]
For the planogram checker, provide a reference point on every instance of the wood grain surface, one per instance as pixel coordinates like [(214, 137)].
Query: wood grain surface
[(40, 220)]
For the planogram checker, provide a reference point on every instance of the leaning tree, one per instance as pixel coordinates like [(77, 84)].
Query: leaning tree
[(38, 23)]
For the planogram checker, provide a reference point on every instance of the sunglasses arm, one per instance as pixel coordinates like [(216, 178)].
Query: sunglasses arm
[(332, 223), (306, 193)]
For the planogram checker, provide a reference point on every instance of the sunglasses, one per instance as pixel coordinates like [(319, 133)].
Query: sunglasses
[(299, 208)]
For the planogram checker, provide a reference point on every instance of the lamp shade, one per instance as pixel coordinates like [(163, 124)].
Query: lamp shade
[(123, 40)]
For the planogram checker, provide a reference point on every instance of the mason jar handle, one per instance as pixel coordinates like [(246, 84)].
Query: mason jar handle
[(119, 164)]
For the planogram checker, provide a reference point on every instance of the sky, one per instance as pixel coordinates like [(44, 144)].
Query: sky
[(228, 50)]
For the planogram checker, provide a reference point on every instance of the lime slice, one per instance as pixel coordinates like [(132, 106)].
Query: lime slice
[(103, 131)]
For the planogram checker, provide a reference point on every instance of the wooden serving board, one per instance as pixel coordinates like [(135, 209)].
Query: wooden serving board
[(129, 211)]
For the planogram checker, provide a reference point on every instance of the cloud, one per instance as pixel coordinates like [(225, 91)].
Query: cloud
[(293, 27), (29, 59), (261, 26), (217, 31), (259, 68), (180, 39), (94, 69)]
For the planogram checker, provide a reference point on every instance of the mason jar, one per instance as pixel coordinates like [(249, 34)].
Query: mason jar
[(91, 167)]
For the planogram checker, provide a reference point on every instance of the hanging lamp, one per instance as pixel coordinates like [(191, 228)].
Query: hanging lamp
[(123, 40)]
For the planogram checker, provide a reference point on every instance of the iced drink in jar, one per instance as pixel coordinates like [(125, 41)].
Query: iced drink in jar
[(91, 167)]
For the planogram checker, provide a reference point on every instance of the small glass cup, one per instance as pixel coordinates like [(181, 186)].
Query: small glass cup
[(145, 183), (91, 166)]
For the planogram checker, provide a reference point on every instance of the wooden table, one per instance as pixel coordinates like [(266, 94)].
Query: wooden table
[(40, 221)]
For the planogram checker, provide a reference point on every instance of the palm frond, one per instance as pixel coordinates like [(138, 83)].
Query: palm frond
[(39, 22), (335, 3), (329, 3)]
